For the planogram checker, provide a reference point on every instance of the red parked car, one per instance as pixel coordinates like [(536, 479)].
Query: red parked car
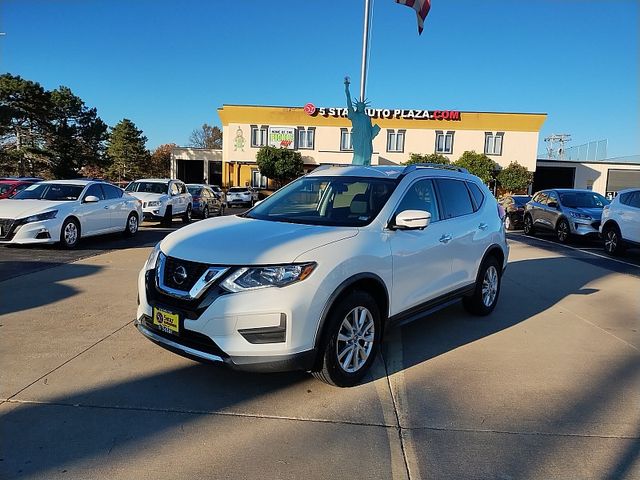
[(10, 186)]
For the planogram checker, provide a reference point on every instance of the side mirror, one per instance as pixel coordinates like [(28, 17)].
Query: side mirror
[(412, 220), (91, 199), (553, 205)]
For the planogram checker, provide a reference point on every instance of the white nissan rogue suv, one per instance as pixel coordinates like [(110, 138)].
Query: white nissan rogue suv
[(313, 276)]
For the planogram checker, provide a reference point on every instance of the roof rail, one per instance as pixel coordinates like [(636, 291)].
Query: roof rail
[(443, 166)]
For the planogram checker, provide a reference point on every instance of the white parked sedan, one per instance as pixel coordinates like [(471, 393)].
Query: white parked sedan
[(65, 211)]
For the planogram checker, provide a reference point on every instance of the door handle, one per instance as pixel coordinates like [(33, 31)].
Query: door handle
[(445, 238), (483, 226), (106, 207)]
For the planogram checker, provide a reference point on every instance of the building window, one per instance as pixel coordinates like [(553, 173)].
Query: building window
[(306, 138), (493, 143), (444, 142), (395, 140), (346, 142), (259, 136)]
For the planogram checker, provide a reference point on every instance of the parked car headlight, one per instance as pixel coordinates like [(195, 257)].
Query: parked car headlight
[(40, 217), (154, 203), (153, 258), (252, 278), (580, 215)]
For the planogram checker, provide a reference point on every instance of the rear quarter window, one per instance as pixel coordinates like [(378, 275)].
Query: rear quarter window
[(454, 197), (478, 196)]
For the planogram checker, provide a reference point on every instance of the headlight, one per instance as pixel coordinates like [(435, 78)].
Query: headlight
[(154, 203), (580, 215), (262, 277), (40, 217), (153, 258)]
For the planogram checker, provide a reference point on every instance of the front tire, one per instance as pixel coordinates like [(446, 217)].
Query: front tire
[(487, 290), (70, 234), (132, 225), (613, 243), (168, 216), (528, 226), (563, 231), (205, 213), (352, 340)]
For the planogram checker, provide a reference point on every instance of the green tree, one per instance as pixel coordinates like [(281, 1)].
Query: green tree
[(515, 178), (279, 164), (428, 158), (160, 161), (478, 164), (127, 152), (25, 108), (206, 137), (76, 135)]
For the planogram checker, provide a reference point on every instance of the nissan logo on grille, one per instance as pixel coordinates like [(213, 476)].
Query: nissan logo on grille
[(179, 275)]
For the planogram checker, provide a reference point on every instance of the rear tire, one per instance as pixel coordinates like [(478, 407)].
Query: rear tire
[(70, 234), (168, 216), (131, 228), (351, 340), (528, 226), (563, 231), (186, 216), (487, 290), (205, 213), (508, 224), (613, 243)]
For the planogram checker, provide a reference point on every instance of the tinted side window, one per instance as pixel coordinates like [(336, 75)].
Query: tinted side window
[(111, 192), (94, 190), (478, 196), (454, 198), (634, 201), (420, 196), (175, 190), (553, 197)]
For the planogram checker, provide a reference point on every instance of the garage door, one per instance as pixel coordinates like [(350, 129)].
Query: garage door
[(619, 179)]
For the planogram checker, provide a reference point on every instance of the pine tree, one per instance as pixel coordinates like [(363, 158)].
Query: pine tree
[(127, 152)]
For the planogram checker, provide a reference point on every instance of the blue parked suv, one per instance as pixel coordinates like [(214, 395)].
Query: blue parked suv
[(567, 212)]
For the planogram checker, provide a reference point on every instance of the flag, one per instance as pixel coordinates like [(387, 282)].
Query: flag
[(422, 10)]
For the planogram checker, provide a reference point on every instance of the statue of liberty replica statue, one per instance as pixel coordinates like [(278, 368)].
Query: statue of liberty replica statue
[(363, 131)]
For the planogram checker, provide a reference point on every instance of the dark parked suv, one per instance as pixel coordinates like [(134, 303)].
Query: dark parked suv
[(566, 212)]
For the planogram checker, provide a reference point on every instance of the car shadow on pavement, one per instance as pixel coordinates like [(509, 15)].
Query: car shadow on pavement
[(129, 416), (17, 295), (453, 327)]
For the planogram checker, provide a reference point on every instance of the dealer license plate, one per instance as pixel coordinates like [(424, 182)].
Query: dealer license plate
[(166, 321)]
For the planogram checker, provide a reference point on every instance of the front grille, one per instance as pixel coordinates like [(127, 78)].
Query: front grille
[(193, 270), (6, 226)]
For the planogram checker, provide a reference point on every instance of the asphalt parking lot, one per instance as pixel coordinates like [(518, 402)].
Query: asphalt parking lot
[(548, 386)]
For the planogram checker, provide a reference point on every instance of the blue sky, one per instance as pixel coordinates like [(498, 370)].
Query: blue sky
[(168, 65)]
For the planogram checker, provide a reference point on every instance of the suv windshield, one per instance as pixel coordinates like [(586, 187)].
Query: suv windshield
[(148, 187), (238, 189), (583, 200), (50, 191), (337, 201)]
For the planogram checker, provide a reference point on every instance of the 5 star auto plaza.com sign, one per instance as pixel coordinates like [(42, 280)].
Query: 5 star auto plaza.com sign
[(411, 114)]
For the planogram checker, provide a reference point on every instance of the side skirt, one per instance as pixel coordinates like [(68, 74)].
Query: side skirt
[(427, 308)]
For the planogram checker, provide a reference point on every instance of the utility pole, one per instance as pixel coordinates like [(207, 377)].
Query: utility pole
[(555, 145), (365, 49)]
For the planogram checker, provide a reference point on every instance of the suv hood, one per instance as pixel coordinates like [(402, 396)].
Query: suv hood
[(234, 240), (23, 208), (147, 197)]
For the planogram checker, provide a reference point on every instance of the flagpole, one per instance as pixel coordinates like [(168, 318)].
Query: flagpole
[(365, 50)]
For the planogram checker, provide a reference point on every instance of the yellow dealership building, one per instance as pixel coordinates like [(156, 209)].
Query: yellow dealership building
[(323, 137)]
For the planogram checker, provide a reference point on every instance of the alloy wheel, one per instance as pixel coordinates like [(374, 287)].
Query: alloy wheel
[(563, 231), (611, 241), (70, 233), (490, 286), (133, 224), (355, 339)]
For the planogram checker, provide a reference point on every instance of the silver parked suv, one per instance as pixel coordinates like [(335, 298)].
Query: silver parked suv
[(566, 212)]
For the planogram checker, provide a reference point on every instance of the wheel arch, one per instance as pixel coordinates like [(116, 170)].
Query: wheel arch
[(611, 223), (366, 281), (494, 250)]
